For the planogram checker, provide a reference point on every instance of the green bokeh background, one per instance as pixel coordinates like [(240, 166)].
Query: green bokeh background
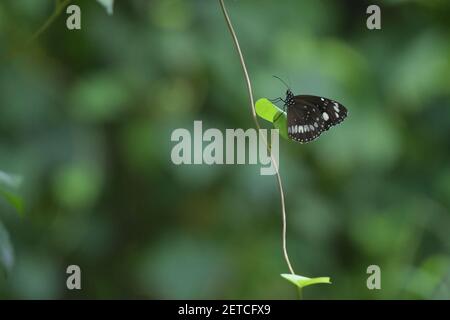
[(86, 118)]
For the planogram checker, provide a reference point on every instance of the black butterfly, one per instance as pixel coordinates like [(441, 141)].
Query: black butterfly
[(309, 116)]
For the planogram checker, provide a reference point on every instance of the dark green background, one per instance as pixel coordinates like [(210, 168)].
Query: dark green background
[(86, 118)]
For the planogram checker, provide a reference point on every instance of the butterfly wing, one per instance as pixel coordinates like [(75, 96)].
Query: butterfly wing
[(304, 121), (331, 112)]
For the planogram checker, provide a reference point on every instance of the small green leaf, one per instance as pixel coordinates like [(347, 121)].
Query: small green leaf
[(6, 250), (270, 112), (281, 124), (8, 187), (108, 4), (266, 109), (9, 180), (302, 282), (13, 199)]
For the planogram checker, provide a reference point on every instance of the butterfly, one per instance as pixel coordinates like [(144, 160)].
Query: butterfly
[(309, 116)]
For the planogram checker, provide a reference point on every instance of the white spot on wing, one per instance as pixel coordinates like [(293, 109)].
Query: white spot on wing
[(325, 116)]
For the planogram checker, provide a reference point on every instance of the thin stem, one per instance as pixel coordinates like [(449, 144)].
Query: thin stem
[(255, 119), (59, 7), (241, 58), (299, 293)]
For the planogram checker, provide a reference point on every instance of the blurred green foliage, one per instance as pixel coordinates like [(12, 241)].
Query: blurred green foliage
[(86, 118)]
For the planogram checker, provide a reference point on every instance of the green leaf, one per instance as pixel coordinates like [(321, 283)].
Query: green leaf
[(108, 4), (266, 109), (281, 124), (13, 199), (6, 250), (8, 190), (9, 180), (302, 282), (270, 112)]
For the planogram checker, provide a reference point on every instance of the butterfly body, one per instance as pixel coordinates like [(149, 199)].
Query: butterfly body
[(309, 116)]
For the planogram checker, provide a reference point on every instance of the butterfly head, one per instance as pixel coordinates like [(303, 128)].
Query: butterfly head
[(289, 98)]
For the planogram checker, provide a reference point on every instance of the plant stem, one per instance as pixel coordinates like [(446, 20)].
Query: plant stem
[(255, 119), (59, 6), (299, 293)]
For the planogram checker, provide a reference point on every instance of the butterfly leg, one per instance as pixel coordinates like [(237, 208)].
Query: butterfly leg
[(276, 100)]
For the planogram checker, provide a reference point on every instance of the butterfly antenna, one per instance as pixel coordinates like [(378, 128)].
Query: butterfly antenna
[(289, 81), (282, 82)]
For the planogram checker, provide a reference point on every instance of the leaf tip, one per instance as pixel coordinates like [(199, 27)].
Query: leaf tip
[(302, 282)]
